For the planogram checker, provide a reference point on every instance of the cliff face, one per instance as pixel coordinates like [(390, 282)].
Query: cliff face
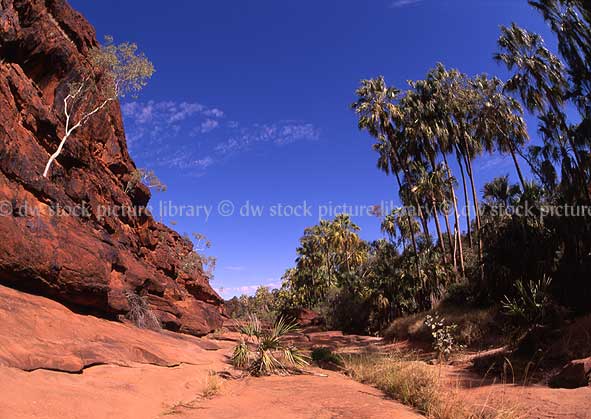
[(89, 259)]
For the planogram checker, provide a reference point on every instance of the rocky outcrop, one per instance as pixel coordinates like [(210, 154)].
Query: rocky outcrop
[(78, 236), (306, 317), (38, 333), (575, 374)]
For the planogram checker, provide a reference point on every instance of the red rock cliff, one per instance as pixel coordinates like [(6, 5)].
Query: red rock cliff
[(85, 262)]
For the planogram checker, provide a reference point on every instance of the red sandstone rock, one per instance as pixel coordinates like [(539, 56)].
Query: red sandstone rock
[(85, 262), (575, 374), (37, 333), (306, 317)]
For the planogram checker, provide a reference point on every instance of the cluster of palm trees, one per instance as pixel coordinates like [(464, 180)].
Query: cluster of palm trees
[(448, 115), (331, 254), (358, 285), (428, 136)]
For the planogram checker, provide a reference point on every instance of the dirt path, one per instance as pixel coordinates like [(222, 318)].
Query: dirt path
[(89, 368), (296, 397), (55, 364), (150, 392)]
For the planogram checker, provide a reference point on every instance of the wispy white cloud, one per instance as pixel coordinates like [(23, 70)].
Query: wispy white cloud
[(192, 137), (495, 161), (180, 160), (150, 124), (204, 163), (234, 268), (227, 292), (208, 125), (280, 133), (166, 112), (403, 3), (215, 112)]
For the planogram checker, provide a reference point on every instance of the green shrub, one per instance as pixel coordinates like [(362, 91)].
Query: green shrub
[(476, 327), (531, 302), (460, 294), (444, 340), (325, 356)]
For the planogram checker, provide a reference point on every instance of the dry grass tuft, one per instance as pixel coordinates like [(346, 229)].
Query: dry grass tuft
[(179, 407), (411, 382), (212, 386), (416, 384), (140, 312)]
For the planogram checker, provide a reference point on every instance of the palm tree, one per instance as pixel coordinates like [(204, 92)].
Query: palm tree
[(448, 184), (428, 186), (458, 98), (460, 160), (374, 108), (444, 185), (467, 149), (539, 76), (423, 125), (443, 125), (570, 20), (395, 226), (499, 194), (499, 122)]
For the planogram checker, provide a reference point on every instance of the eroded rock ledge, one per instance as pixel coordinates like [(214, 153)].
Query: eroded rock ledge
[(38, 333)]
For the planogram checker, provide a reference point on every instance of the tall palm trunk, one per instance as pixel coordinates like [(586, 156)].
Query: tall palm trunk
[(451, 242), (445, 215), (457, 233), (431, 157), (477, 209), (466, 199), (423, 217), (517, 167), (408, 219), (438, 227), (420, 213)]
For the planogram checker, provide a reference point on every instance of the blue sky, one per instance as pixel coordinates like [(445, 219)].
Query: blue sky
[(250, 104)]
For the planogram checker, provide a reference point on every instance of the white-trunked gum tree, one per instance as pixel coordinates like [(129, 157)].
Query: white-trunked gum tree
[(113, 71)]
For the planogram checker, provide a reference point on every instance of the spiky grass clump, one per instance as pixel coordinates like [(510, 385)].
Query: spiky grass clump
[(265, 352)]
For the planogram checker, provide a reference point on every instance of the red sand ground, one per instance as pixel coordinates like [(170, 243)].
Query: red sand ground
[(128, 373)]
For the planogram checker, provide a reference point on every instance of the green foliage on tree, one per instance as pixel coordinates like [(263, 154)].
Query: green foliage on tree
[(112, 71), (501, 256), (145, 177), (264, 304), (361, 286)]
